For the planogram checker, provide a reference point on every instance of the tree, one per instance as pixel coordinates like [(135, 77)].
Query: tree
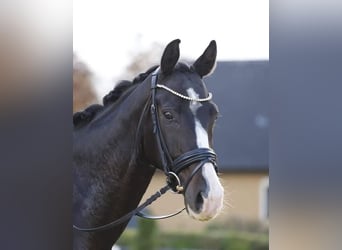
[(83, 92)]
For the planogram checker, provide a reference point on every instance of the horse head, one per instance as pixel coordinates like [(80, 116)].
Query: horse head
[(181, 141)]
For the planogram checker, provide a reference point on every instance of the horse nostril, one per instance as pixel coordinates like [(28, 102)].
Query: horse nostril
[(199, 202)]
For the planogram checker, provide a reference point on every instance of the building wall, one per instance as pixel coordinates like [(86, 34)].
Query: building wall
[(242, 200)]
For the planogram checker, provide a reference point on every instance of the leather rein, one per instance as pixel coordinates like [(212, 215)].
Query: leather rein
[(171, 167)]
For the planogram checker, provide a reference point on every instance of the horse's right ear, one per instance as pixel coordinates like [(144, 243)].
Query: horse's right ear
[(205, 64), (170, 57)]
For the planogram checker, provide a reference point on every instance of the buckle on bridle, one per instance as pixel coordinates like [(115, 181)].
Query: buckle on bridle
[(174, 183)]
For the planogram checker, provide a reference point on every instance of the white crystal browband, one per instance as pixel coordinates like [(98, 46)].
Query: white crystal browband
[(185, 97)]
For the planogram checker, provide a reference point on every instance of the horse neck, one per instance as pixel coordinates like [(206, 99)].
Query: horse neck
[(111, 136), (106, 182)]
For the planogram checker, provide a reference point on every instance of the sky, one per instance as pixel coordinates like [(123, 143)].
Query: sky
[(107, 33)]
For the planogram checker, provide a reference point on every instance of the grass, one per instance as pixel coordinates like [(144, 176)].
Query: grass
[(218, 240)]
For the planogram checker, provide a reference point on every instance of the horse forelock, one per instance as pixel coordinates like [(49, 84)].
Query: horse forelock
[(183, 67)]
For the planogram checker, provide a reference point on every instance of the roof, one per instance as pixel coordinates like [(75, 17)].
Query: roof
[(241, 133)]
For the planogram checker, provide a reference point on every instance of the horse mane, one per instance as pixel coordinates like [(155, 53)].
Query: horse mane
[(84, 117)]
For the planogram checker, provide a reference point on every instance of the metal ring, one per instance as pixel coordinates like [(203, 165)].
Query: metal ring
[(179, 187)]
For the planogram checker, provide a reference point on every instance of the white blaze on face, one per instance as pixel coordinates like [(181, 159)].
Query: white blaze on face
[(213, 203)]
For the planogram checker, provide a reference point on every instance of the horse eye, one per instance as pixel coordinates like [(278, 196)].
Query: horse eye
[(168, 115)]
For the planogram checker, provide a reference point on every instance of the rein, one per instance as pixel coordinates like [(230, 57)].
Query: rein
[(127, 216), (171, 167)]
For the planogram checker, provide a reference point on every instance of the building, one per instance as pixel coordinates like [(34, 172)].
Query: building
[(240, 89)]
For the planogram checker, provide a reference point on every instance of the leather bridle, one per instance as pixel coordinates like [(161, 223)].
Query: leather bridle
[(171, 167)]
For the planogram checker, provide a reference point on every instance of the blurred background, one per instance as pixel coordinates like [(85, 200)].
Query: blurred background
[(105, 52), (38, 48)]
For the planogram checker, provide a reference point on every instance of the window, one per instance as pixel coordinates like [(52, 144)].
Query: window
[(264, 199)]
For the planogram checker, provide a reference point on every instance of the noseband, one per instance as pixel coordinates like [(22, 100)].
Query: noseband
[(171, 167)]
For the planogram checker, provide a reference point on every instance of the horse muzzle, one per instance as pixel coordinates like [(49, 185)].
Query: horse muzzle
[(204, 194)]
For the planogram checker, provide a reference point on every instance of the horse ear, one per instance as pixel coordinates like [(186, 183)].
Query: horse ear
[(170, 57), (205, 64)]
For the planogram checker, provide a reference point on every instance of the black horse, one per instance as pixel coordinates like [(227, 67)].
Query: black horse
[(163, 119)]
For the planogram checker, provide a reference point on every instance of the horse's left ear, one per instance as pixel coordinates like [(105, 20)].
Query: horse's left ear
[(205, 64), (170, 57)]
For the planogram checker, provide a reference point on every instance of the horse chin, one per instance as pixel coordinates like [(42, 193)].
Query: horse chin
[(205, 214)]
